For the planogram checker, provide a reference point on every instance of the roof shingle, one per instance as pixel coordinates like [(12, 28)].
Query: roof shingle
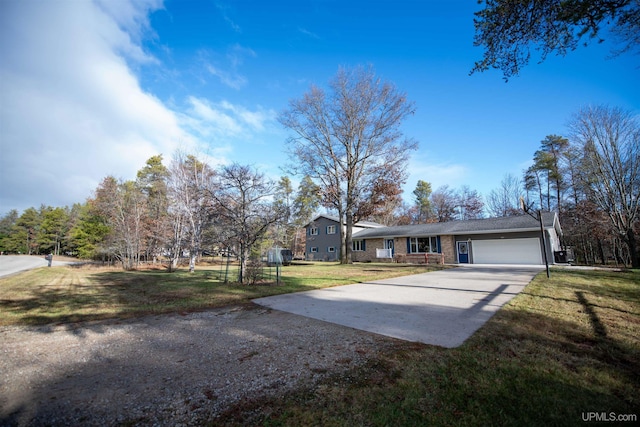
[(475, 226)]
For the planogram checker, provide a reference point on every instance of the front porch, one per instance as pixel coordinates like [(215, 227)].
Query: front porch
[(395, 250)]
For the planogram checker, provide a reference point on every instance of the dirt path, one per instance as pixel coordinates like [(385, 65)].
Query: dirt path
[(170, 369)]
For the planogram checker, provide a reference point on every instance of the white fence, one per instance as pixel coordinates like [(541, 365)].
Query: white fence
[(384, 253)]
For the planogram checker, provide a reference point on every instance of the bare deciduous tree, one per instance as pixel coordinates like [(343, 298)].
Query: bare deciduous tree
[(504, 201), (444, 201), (348, 140), (284, 232), (123, 206), (243, 205), (610, 139), (470, 204), (189, 189)]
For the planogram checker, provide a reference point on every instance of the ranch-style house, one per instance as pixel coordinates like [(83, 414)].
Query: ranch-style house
[(508, 240)]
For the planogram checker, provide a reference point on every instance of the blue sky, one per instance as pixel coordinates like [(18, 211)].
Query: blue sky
[(92, 88)]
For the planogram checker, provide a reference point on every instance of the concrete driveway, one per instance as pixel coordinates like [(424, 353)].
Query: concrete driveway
[(441, 308)]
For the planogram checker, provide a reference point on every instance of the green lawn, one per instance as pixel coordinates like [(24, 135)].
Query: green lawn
[(563, 349), (72, 294)]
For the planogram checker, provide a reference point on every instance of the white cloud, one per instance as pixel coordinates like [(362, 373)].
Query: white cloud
[(223, 8), (209, 120), (308, 33), (228, 78), (237, 53), (436, 173), (71, 110), (132, 18), (229, 73), (224, 120), (256, 120)]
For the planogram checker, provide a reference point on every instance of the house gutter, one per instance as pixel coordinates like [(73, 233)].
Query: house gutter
[(456, 233)]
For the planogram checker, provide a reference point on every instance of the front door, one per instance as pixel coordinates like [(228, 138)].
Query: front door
[(463, 252), (388, 244)]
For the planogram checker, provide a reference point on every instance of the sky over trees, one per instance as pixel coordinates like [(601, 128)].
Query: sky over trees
[(91, 89), (116, 86)]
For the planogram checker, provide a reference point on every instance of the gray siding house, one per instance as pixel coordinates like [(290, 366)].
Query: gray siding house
[(323, 237), (509, 240)]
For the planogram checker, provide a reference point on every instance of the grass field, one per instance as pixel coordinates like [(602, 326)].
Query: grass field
[(564, 351), (72, 294)]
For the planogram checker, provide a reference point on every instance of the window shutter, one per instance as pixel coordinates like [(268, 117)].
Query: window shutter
[(439, 245), (408, 245), (364, 245)]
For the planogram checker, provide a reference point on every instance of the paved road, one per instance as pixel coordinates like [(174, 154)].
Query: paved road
[(11, 264), (442, 308)]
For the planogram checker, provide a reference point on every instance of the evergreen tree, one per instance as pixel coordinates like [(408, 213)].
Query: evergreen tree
[(88, 235), (53, 230), (307, 202), (23, 237), (6, 226), (152, 181), (422, 195)]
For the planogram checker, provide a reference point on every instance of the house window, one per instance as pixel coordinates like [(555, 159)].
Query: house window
[(313, 231), (331, 229), (423, 244), (358, 245), (314, 249), (331, 249)]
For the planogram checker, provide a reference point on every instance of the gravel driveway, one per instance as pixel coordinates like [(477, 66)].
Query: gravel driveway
[(169, 369)]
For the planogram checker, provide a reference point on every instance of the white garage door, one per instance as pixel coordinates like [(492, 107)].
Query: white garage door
[(506, 251)]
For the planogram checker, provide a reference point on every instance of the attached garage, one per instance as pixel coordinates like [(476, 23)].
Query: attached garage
[(504, 240), (507, 251)]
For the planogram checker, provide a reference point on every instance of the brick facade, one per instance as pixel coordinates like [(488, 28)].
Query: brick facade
[(447, 246), (369, 254), (491, 230)]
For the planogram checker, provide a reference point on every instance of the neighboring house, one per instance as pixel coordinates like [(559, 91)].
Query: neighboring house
[(323, 237), (509, 240)]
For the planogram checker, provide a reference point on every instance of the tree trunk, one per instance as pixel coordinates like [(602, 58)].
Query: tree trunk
[(348, 238), (633, 250), (243, 264), (343, 236), (601, 251), (548, 194), (558, 207), (192, 262)]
